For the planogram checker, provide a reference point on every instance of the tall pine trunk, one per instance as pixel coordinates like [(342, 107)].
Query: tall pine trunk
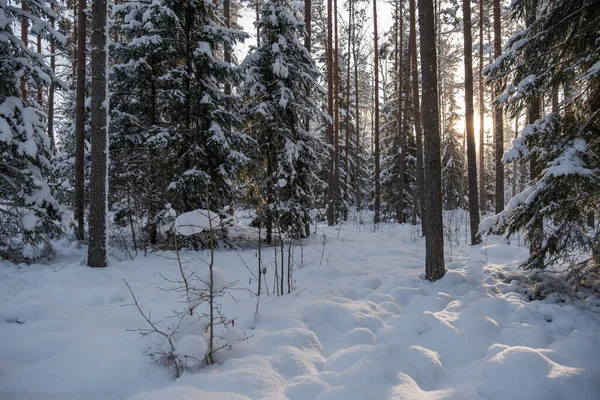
[(330, 171), (498, 116), (25, 40), (51, 89), (434, 242), (227, 49), (399, 92), (412, 45), (469, 111), (336, 114), (377, 202), (482, 196), (80, 120), (99, 136)]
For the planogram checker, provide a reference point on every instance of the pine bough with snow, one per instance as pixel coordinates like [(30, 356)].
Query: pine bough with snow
[(564, 196), (30, 216)]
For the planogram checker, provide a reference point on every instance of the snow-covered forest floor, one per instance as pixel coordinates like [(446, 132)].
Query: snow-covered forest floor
[(361, 323)]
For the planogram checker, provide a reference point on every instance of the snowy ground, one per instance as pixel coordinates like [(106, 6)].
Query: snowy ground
[(362, 325)]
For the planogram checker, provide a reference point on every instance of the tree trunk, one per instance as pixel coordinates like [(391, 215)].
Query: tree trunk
[(51, 90), (80, 121), (99, 136), (377, 203), (336, 114), (307, 24), (400, 131), (498, 116), (358, 174), (434, 242), (533, 113), (347, 129), (330, 172), (25, 40), (469, 111), (412, 45), (40, 98), (227, 48), (482, 186)]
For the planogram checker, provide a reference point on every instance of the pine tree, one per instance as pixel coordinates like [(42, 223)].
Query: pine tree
[(565, 144), (30, 216), (277, 75)]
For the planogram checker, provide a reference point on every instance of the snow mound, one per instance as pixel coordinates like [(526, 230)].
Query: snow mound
[(526, 373), (186, 393), (196, 221)]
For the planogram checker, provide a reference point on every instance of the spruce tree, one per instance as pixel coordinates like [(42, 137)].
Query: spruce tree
[(558, 48), (278, 72), (30, 216)]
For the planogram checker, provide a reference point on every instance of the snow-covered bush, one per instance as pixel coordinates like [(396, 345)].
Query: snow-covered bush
[(201, 329)]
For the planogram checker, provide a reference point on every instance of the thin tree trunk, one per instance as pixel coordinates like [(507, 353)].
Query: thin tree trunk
[(377, 203), (469, 111), (498, 116), (434, 242), (400, 130), (347, 130), (358, 174), (98, 174), (40, 98), (516, 162), (533, 113), (482, 186), (227, 48), (25, 40), (330, 110), (51, 88), (307, 38), (257, 6), (412, 45), (336, 113), (80, 120)]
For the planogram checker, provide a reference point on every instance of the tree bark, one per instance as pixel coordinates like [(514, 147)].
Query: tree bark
[(330, 173), (533, 113), (80, 121), (434, 242), (482, 186), (307, 38), (227, 49), (336, 113), (377, 202), (357, 177), (347, 117), (498, 116), (99, 136), (51, 89), (469, 111), (25, 40), (412, 45), (400, 131)]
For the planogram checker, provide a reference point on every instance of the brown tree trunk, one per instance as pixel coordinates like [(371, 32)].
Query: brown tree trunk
[(347, 129), (469, 111), (25, 40), (357, 183), (40, 98), (336, 114), (377, 202), (412, 45), (51, 90), (498, 116), (307, 24), (482, 186), (99, 137), (226, 48), (80, 121), (399, 92), (533, 113), (330, 110), (434, 242)]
